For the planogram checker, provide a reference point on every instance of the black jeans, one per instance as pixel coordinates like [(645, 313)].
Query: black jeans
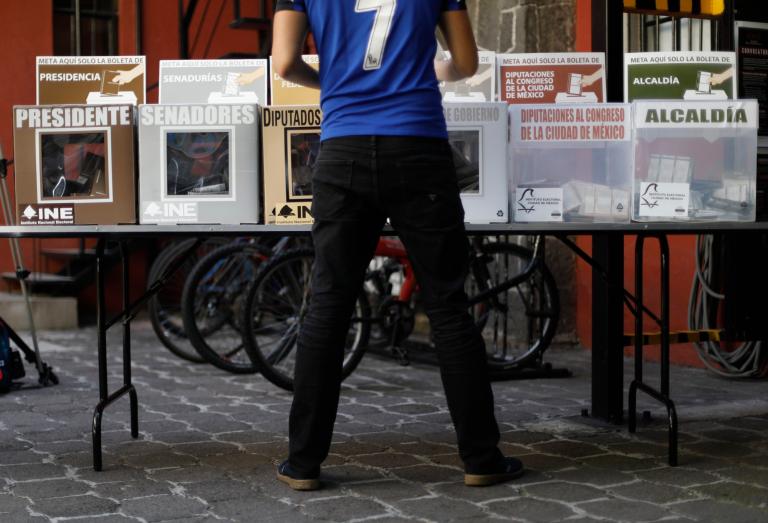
[(358, 182)]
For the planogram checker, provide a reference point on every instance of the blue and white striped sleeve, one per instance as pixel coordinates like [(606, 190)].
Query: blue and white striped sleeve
[(292, 5), (454, 5)]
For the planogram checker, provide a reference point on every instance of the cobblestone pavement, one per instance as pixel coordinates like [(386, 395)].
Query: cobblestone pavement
[(209, 440)]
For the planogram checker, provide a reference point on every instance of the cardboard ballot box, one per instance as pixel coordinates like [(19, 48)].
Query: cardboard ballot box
[(74, 165), (477, 133), (199, 164), (570, 163), (695, 161), (291, 138)]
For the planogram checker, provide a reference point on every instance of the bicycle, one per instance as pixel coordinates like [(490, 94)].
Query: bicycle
[(212, 296), (273, 310), (506, 283), (164, 307)]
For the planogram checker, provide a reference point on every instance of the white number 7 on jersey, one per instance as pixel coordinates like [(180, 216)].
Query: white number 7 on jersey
[(382, 24)]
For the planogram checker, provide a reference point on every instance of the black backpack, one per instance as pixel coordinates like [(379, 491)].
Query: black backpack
[(11, 367)]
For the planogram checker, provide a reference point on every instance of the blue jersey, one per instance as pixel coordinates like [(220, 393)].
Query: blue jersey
[(377, 73)]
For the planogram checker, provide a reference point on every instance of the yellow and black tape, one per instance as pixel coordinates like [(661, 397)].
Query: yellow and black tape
[(654, 338), (688, 8)]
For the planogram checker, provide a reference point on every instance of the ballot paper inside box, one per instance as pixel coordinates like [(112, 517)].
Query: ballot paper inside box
[(570, 163), (199, 164), (695, 161), (74, 165)]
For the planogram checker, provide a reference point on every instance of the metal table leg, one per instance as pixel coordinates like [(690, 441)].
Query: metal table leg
[(661, 396), (134, 400), (607, 328), (125, 317), (106, 399)]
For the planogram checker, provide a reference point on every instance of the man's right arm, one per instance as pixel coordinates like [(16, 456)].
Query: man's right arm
[(289, 32), (460, 39)]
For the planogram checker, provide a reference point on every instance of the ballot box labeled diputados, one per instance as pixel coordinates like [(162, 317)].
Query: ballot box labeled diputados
[(74, 164), (199, 164), (291, 138)]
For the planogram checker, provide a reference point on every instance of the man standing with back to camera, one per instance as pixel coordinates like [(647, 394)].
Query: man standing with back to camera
[(384, 154)]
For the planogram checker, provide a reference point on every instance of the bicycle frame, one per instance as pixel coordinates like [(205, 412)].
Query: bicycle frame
[(394, 248)]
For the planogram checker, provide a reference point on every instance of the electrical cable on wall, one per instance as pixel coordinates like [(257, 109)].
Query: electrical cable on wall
[(747, 360)]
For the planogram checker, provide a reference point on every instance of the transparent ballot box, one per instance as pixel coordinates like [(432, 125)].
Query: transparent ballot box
[(695, 161), (570, 163)]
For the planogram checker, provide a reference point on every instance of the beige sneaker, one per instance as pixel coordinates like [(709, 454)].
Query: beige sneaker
[(506, 470), (294, 480)]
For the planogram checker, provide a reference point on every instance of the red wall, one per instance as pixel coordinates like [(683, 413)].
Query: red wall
[(583, 25), (28, 33), (682, 265), (20, 20)]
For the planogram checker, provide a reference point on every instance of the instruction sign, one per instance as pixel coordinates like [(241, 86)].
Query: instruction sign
[(481, 87), (547, 78), (698, 76), (289, 93), (213, 81), (93, 80)]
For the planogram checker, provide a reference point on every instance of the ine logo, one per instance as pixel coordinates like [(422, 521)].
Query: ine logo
[(29, 212), (171, 212), (652, 187), (286, 212), (521, 206), (292, 213), (46, 214)]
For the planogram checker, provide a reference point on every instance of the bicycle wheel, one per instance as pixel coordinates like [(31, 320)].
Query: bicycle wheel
[(165, 307), (517, 324), (211, 301), (272, 315)]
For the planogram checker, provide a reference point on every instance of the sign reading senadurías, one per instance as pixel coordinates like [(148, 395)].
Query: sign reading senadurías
[(213, 81)]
